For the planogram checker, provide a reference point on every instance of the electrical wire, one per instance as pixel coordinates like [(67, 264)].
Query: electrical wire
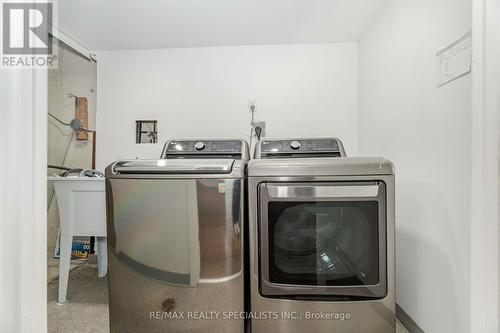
[(60, 121), (69, 124), (57, 167), (85, 130), (252, 111)]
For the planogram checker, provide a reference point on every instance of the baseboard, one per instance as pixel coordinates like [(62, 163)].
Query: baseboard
[(405, 319)]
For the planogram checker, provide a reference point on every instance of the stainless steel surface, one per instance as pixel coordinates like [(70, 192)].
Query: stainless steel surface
[(316, 180), (322, 191), (329, 192), (370, 316), (178, 166), (175, 244), (132, 169), (320, 166)]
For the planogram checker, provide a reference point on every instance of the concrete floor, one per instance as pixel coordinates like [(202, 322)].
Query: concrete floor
[(87, 310), (53, 265)]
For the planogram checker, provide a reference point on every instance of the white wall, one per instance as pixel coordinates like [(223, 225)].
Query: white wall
[(426, 131), (300, 90)]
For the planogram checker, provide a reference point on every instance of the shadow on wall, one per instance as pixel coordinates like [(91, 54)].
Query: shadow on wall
[(421, 206)]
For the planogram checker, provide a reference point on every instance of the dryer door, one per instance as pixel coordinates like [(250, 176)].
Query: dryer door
[(323, 239)]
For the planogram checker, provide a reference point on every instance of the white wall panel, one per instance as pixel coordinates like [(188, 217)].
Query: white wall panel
[(300, 90), (426, 132)]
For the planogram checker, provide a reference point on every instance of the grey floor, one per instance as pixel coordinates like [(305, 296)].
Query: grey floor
[(53, 265), (87, 310)]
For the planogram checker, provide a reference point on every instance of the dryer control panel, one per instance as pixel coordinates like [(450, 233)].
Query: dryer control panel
[(205, 149), (319, 147)]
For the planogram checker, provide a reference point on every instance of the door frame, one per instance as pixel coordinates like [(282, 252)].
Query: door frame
[(484, 281)]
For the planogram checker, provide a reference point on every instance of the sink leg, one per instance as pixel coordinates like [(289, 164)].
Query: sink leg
[(102, 256), (64, 262)]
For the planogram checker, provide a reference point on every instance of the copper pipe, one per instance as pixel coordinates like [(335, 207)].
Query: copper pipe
[(93, 149)]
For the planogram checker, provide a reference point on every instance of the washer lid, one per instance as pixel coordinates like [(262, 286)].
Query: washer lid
[(341, 166), (174, 166)]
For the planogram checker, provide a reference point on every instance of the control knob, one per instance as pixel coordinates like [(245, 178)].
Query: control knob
[(295, 144), (200, 145)]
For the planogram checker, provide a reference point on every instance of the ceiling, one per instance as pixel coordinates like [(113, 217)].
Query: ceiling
[(147, 24)]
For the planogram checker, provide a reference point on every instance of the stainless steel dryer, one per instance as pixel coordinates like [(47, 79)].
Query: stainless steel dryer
[(321, 229), (175, 239)]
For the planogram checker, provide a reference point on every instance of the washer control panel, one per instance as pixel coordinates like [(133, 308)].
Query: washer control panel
[(324, 147), (201, 148)]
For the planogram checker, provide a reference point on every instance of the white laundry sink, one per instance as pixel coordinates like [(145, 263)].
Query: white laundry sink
[(82, 212)]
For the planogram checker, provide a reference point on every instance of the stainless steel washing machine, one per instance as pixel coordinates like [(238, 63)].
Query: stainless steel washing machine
[(321, 229), (175, 239)]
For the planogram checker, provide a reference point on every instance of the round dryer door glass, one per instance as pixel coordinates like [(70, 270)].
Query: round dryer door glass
[(323, 243)]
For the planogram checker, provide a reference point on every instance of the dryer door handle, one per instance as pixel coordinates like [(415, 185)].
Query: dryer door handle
[(322, 191)]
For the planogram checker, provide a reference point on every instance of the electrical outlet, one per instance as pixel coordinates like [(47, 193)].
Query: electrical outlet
[(261, 124)]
